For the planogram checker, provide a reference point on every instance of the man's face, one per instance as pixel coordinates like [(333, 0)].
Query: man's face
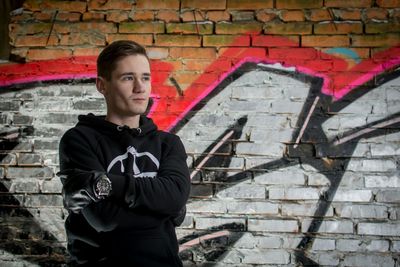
[(127, 92)]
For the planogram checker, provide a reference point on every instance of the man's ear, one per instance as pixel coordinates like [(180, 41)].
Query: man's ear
[(100, 85)]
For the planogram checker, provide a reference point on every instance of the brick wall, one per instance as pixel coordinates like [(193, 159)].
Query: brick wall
[(289, 111)]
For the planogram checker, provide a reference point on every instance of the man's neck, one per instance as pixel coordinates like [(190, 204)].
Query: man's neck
[(131, 122)]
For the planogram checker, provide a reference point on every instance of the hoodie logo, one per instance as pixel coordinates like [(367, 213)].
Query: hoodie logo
[(137, 173)]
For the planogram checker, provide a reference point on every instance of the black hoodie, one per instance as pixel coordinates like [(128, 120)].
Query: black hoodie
[(150, 187)]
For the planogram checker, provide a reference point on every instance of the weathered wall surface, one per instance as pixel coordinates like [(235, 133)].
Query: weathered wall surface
[(289, 111)]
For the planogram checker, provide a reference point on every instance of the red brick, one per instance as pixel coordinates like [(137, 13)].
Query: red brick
[(338, 28), (43, 54), (318, 15), (117, 16), (362, 53), (144, 39), (382, 27), (70, 6), (93, 16), (89, 51), (376, 40), (70, 17), (196, 64), (168, 15), (43, 16), (238, 28), (292, 15), (296, 4), (226, 40), (388, 3), (347, 14), (142, 15), (287, 28), (236, 53), (204, 4), (189, 28), (193, 53), (265, 16), (325, 41), (177, 40), (249, 4), (157, 4), (275, 41), (376, 13), (84, 38), (109, 5), (218, 16), (348, 3), (292, 53), (142, 27), (193, 15)]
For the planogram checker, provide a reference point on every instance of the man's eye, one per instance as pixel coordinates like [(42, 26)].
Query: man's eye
[(146, 78), (127, 78)]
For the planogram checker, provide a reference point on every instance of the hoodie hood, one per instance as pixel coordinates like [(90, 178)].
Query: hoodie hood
[(146, 125)]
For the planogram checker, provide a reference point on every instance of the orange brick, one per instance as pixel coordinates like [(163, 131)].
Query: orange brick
[(186, 77), (318, 15), (29, 28), (193, 15), (218, 16), (177, 40), (338, 28), (117, 16), (143, 39), (142, 15), (34, 41), (348, 3), (249, 4), (93, 16), (292, 15), (388, 3), (189, 28), (296, 4), (325, 41), (23, 17), (347, 14), (382, 27), (204, 4), (275, 41), (85, 38), (142, 27), (218, 40), (89, 51), (238, 28), (265, 16), (196, 64), (43, 16), (194, 53), (102, 27), (109, 5), (71, 17), (168, 15), (70, 6), (32, 5), (157, 4), (287, 28), (43, 54), (376, 13), (376, 40)]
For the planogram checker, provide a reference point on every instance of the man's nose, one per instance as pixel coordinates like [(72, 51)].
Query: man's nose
[(138, 85)]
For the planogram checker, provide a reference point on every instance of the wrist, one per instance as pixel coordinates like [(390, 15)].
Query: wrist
[(102, 187)]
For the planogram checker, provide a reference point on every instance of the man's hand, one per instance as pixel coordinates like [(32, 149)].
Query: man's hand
[(78, 188)]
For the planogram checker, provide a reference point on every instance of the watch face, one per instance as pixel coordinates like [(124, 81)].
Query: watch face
[(103, 186)]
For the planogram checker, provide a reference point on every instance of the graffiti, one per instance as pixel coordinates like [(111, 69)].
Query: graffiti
[(315, 139)]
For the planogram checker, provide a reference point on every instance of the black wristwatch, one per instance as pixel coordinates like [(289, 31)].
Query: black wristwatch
[(102, 187)]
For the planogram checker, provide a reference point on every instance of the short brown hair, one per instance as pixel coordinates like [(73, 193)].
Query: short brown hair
[(114, 52)]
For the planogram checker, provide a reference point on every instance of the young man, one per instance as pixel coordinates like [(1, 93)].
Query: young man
[(125, 183)]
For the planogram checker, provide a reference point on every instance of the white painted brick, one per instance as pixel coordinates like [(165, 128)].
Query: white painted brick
[(255, 91), (362, 211), (281, 178), (288, 226), (371, 165), (344, 227), (269, 256), (348, 245), (323, 244), (382, 181), (368, 260), (269, 242), (243, 191), (352, 245), (303, 209), (269, 121), (283, 106), (207, 206), (379, 229), (353, 196), (386, 149), (247, 240), (388, 196), (395, 246), (262, 135), (253, 207), (325, 258), (294, 193), (260, 149), (209, 222)]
